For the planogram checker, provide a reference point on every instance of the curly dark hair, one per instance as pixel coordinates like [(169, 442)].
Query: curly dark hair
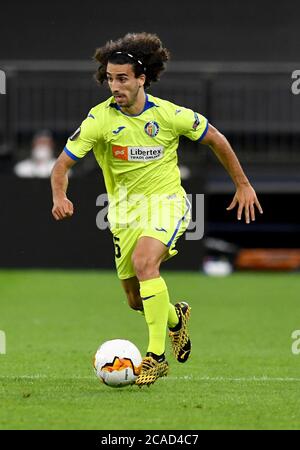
[(143, 50)]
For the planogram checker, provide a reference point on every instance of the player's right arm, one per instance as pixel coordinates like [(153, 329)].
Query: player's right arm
[(78, 145), (62, 206)]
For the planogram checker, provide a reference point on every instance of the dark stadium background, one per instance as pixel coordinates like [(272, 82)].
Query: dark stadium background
[(233, 63)]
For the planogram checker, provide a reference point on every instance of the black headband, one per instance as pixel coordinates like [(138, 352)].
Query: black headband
[(133, 58)]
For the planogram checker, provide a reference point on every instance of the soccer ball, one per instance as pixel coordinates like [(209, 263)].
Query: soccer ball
[(117, 362)]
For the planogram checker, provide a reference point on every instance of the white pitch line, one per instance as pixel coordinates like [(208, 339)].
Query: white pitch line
[(171, 378), (243, 379), (39, 376)]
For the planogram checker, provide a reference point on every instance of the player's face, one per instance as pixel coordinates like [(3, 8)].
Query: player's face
[(123, 84)]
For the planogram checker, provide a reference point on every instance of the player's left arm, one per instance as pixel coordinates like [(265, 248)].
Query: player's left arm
[(245, 197)]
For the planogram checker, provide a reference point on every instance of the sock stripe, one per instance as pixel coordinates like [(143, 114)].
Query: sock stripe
[(146, 298)]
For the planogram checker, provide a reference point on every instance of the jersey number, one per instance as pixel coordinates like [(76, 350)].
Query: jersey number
[(117, 247)]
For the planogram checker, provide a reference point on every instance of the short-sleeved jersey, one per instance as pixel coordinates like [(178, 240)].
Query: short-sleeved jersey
[(138, 153)]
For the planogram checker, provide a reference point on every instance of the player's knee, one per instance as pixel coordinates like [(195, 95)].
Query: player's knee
[(145, 266)]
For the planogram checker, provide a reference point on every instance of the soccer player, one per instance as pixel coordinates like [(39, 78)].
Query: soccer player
[(134, 137)]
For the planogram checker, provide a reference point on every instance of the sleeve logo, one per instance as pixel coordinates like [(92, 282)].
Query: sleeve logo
[(75, 135), (197, 121)]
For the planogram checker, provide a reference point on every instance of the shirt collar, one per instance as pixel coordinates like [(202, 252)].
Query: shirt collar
[(148, 105)]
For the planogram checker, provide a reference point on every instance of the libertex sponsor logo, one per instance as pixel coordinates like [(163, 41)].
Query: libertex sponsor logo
[(139, 154)]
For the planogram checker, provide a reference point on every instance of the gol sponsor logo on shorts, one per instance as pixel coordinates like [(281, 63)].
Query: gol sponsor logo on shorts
[(138, 153)]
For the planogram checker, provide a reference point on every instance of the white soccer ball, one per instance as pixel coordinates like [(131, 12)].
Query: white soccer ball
[(117, 362)]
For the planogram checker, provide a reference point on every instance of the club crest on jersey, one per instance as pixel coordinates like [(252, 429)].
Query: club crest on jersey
[(151, 128)]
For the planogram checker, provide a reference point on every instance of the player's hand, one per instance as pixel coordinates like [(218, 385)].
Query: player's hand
[(245, 198), (62, 208)]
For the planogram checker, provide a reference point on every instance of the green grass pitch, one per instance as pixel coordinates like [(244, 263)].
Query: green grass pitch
[(242, 373)]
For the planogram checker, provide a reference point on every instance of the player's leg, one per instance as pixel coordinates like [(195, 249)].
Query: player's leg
[(177, 318), (125, 241), (146, 258), (178, 328), (131, 287), (174, 219)]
